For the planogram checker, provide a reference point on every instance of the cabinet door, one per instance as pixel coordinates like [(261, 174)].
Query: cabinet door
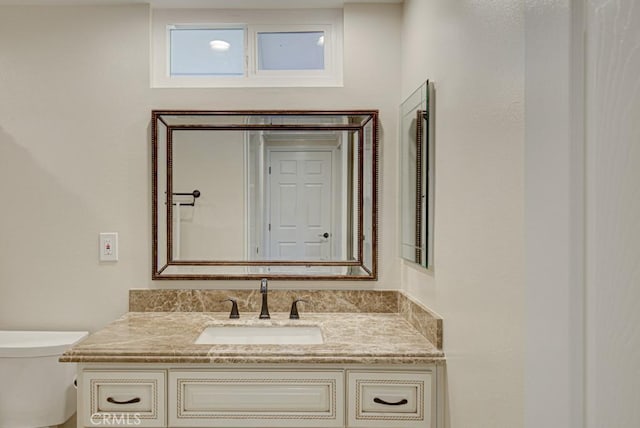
[(256, 398), (390, 399), (123, 398)]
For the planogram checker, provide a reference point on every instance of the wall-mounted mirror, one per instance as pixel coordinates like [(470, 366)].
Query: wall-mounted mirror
[(417, 175), (265, 194)]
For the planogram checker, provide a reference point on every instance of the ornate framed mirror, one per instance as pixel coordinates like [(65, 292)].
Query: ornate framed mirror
[(417, 175), (265, 194)]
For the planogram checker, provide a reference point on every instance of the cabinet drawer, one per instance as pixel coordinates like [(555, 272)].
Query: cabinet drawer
[(124, 398), (253, 398), (390, 399)]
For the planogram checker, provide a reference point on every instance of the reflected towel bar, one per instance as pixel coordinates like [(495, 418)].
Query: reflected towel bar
[(195, 194)]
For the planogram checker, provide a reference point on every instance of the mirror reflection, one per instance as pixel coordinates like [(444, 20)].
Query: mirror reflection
[(264, 194)]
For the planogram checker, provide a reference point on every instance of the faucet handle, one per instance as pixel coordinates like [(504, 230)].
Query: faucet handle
[(294, 315), (234, 308)]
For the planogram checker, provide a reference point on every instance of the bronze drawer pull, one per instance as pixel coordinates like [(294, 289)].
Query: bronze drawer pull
[(381, 401), (114, 401)]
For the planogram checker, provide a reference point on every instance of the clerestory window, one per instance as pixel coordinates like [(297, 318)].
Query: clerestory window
[(263, 50)]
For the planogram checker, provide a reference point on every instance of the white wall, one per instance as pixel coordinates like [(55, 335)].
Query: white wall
[(582, 209), (581, 345), (74, 161), (554, 214), (613, 213), (75, 153), (474, 54)]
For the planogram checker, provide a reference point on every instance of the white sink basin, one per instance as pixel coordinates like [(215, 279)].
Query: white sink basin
[(268, 335)]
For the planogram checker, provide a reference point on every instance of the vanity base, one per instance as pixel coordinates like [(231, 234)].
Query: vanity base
[(247, 396)]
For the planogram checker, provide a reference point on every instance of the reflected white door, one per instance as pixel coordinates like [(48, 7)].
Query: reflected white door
[(300, 205)]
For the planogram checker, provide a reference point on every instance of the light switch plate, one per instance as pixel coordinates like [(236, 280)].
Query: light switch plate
[(108, 251)]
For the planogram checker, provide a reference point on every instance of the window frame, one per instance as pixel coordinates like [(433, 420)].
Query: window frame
[(328, 21)]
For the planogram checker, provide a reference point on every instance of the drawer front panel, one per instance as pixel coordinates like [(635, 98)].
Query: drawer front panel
[(389, 399), (124, 398), (252, 396), (250, 399)]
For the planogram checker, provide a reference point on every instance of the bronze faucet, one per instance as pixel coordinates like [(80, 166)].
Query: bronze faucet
[(264, 311)]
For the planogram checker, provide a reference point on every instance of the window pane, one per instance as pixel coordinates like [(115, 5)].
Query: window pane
[(291, 51), (207, 52)]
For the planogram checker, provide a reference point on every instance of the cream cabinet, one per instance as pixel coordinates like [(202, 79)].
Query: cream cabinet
[(388, 398), (190, 396), (256, 398), (122, 398)]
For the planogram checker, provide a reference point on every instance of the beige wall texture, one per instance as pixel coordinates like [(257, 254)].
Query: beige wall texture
[(74, 161), (612, 213), (75, 153), (561, 343), (553, 217), (474, 54)]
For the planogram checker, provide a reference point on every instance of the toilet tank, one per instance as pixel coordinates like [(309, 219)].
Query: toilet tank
[(35, 389)]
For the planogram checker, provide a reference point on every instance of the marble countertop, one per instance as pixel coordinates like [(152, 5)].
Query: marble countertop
[(169, 337)]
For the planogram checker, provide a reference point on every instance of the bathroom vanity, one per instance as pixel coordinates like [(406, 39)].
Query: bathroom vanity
[(374, 368)]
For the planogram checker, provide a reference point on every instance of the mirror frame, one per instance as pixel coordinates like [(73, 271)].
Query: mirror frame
[(370, 271)]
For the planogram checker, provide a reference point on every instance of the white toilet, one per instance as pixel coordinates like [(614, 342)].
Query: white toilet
[(35, 389)]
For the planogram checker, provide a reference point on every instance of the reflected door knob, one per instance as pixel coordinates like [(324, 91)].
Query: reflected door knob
[(325, 235)]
